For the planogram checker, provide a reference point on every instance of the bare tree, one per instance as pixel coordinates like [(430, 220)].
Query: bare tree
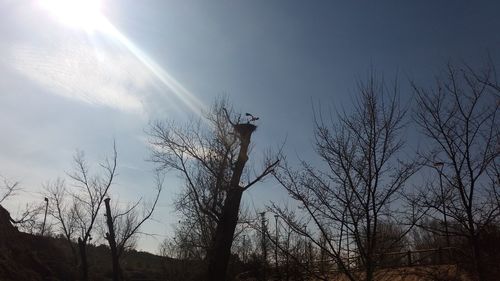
[(62, 209), (296, 253), (211, 157), (459, 117), (123, 228), (26, 219), (8, 188), (76, 211), (196, 229), (363, 178)]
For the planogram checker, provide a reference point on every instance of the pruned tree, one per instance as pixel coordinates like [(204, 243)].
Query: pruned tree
[(211, 156), (123, 227), (459, 118), (360, 186)]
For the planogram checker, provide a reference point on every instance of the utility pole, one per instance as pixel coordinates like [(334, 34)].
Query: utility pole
[(264, 245), (305, 245), (287, 253), (263, 241), (348, 249), (439, 167), (276, 242), (244, 246), (45, 216)]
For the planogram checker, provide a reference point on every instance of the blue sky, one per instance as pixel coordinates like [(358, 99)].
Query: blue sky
[(67, 86)]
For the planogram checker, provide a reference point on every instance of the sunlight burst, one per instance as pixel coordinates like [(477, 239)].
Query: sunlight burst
[(84, 14), (87, 15)]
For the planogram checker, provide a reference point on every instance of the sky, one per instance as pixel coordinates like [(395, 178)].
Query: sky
[(76, 75)]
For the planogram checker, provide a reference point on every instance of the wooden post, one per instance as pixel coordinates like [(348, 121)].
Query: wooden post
[(409, 258)]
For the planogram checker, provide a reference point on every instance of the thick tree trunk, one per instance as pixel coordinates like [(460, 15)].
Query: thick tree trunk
[(221, 251), (110, 236), (84, 268), (478, 267)]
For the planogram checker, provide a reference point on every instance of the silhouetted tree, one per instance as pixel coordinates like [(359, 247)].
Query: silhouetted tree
[(364, 176), (459, 117), (27, 219), (7, 187), (76, 211), (62, 209), (123, 227), (211, 156)]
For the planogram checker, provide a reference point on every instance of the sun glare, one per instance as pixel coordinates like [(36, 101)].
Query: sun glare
[(87, 15), (83, 14)]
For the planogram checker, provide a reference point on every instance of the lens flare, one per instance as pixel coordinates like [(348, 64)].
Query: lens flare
[(87, 15), (80, 14)]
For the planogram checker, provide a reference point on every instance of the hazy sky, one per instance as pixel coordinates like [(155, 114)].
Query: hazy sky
[(71, 78)]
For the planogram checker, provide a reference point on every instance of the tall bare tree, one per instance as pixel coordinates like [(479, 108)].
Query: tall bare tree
[(76, 210), (343, 205), (62, 209), (211, 156), (459, 117)]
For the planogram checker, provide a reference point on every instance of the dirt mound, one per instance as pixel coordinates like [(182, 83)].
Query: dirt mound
[(28, 257)]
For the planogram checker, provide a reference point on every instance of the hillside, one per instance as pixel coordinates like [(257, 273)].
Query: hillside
[(29, 257)]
